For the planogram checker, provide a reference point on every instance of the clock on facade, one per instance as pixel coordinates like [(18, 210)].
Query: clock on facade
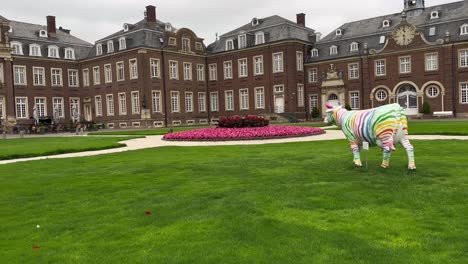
[(404, 35)]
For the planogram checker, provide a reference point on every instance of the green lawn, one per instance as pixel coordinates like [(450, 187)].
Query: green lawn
[(32, 147), (279, 203), (439, 128)]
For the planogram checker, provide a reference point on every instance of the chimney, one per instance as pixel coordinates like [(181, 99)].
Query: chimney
[(301, 19), (151, 14), (51, 30)]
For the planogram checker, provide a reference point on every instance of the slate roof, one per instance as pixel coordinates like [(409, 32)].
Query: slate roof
[(275, 29), (452, 16)]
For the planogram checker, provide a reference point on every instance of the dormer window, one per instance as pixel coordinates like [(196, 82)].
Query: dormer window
[(53, 52), (464, 29), (168, 27), (339, 32), (69, 54), (386, 23), (35, 50), (259, 38), (198, 46), (382, 40), (242, 39), (255, 22), (229, 44), (186, 44), (126, 27), (172, 41), (10, 29), (435, 14), (354, 47), (99, 49), (43, 33), (110, 46), (17, 48), (122, 43), (333, 50), (315, 53)]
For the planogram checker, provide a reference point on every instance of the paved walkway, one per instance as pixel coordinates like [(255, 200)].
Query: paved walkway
[(156, 141)]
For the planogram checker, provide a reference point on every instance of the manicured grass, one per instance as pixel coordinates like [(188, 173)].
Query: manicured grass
[(439, 128), (147, 132), (280, 203), (33, 147)]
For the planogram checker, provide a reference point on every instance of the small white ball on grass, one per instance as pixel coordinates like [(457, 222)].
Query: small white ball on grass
[(37, 226)]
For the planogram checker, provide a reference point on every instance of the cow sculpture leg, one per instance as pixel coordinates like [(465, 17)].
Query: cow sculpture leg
[(356, 153), (388, 147), (410, 151)]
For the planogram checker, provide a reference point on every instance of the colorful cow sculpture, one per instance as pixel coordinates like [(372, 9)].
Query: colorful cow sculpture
[(382, 126)]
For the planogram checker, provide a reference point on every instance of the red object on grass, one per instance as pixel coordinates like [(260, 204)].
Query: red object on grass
[(36, 247), (148, 213)]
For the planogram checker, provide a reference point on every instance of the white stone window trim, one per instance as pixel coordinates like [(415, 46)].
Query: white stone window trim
[(98, 99), (427, 64), (354, 47), (70, 71), (213, 71), (228, 70), (25, 76), (18, 44), (280, 65), (120, 78), (96, 77), (432, 91), (400, 64), (463, 56), (241, 74), (463, 89), (43, 76), (299, 61), (339, 32), (262, 70), (155, 63), (314, 52), (108, 73), (122, 43), (36, 47), (353, 72), (69, 53), (176, 72), (53, 48), (26, 105), (188, 71), (60, 77), (133, 68), (229, 45), (110, 46), (386, 23), (377, 74), (334, 50), (379, 97), (229, 106), (259, 38), (262, 93), (241, 99), (99, 49), (242, 41)]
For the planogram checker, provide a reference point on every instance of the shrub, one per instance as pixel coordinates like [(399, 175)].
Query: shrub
[(348, 107), (238, 122), (425, 109), (315, 112)]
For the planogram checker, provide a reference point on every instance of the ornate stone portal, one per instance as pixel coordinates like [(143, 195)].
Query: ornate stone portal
[(333, 89)]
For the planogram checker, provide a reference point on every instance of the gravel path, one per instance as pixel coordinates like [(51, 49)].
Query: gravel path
[(156, 141)]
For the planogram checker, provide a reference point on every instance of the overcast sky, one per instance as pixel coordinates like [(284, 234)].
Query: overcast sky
[(94, 19)]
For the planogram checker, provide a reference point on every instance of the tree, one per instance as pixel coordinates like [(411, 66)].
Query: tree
[(315, 112), (425, 109)]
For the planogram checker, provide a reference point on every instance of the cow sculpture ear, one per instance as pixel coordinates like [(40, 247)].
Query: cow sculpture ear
[(328, 105)]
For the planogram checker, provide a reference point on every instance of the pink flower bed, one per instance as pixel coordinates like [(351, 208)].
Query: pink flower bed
[(224, 134)]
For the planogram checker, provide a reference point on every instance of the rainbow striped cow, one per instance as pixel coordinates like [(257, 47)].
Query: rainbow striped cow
[(381, 126)]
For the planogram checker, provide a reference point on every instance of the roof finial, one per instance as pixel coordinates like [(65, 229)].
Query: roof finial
[(216, 36), (403, 16)]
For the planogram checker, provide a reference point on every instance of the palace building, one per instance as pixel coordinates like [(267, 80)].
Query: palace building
[(150, 74)]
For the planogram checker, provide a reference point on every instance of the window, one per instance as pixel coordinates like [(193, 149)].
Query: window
[(53, 52), (278, 62), (35, 50), (135, 102), (339, 32), (173, 71), (110, 104), (39, 76), (313, 101), (313, 75), (278, 88), (86, 77), (22, 107), (198, 46), (353, 71), (434, 14), (185, 45), (17, 48), (69, 54), (259, 98), (20, 75), (354, 47), (75, 108), (187, 71), (122, 104), (243, 70), (156, 100), (380, 68), (299, 61), (57, 104), (382, 40), (386, 23), (172, 41), (99, 49), (464, 58), (40, 106), (354, 100), (133, 69), (168, 27), (228, 70), (432, 62), (214, 101), (155, 73), (333, 50), (110, 46), (126, 27), (300, 95), (464, 29), (175, 106), (120, 71), (200, 72), (122, 43), (432, 31), (255, 22), (108, 73), (202, 102), (259, 38), (229, 95), (464, 93), (56, 77), (258, 62), (98, 105), (432, 91), (96, 76), (188, 102), (244, 99), (381, 95), (73, 78), (1, 73), (229, 44), (242, 41), (405, 65), (213, 72), (315, 53)]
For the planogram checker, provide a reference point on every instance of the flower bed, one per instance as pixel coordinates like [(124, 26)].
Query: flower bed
[(255, 133)]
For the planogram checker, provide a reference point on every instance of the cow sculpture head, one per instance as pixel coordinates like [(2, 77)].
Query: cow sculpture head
[(330, 119)]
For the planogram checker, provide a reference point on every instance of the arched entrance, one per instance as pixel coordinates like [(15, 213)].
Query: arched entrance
[(408, 99), (333, 99)]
